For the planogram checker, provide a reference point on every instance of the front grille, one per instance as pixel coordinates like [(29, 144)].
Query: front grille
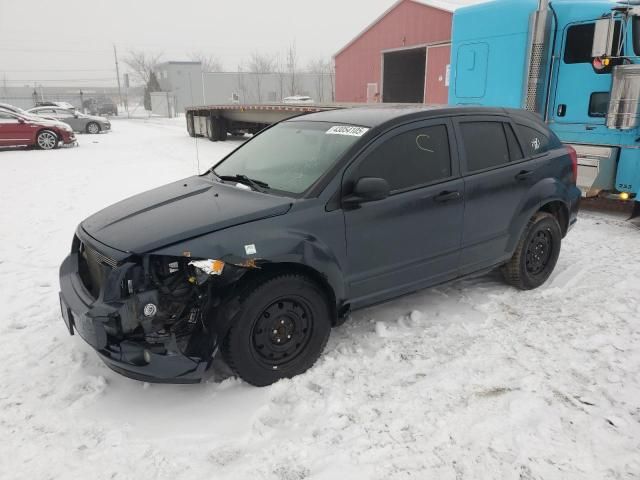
[(94, 267)]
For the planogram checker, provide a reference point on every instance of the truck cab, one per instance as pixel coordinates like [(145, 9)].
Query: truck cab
[(575, 63)]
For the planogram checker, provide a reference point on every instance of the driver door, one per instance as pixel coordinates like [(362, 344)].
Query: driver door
[(411, 239)]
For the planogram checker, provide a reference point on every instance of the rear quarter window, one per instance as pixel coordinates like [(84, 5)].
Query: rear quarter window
[(534, 141)]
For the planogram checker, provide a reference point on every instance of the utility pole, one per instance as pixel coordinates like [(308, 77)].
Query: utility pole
[(115, 54)]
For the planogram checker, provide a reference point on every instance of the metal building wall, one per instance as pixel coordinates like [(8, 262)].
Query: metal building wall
[(408, 24)]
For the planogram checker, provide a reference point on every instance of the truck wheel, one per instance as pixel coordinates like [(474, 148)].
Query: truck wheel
[(536, 254), (280, 330), (221, 129), (190, 126)]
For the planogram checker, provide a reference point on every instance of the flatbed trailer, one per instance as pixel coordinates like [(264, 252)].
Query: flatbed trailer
[(216, 122)]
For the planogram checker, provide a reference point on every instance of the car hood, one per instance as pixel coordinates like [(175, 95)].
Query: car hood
[(179, 211)]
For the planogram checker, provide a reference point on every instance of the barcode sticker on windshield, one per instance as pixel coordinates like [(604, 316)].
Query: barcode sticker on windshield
[(347, 130)]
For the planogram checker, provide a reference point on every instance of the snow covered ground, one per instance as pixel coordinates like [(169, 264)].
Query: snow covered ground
[(473, 380)]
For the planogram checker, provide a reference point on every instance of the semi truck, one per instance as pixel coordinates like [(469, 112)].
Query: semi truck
[(574, 62)]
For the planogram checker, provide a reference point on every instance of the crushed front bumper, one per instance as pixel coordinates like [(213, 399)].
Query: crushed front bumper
[(95, 321)]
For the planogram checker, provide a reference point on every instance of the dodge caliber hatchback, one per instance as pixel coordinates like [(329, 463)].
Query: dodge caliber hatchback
[(318, 215)]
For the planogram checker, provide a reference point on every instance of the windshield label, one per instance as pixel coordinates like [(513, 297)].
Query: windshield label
[(346, 130)]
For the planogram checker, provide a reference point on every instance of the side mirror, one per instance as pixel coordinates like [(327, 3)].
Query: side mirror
[(21, 120), (603, 38), (368, 189)]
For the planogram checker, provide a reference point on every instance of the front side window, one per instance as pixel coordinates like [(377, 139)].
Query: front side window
[(7, 117), (485, 144), (291, 156), (579, 43), (410, 159), (599, 104)]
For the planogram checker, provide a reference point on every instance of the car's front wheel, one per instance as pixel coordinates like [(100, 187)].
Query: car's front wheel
[(536, 254), (93, 128), (47, 140), (280, 330)]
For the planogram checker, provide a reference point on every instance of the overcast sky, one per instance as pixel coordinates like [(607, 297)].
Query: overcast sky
[(70, 42)]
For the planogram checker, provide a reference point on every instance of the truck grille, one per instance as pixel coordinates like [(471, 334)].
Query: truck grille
[(94, 267)]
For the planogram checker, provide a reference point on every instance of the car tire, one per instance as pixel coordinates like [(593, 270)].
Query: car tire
[(536, 254), (93, 128), (190, 125), (47, 140), (281, 327)]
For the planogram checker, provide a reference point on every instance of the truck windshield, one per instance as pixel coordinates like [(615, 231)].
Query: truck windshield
[(291, 156)]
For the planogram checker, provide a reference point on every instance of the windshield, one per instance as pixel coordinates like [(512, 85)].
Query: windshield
[(291, 156)]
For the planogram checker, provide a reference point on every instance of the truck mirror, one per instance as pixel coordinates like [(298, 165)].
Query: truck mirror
[(603, 38)]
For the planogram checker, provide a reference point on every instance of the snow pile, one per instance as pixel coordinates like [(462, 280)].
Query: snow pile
[(469, 380)]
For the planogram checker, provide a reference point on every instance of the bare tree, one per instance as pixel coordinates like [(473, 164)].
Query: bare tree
[(292, 68), (242, 85), (142, 64), (322, 72), (260, 65), (210, 63), (281, 72)]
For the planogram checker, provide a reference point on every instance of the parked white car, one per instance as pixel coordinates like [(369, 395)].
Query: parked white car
[(298, 99)]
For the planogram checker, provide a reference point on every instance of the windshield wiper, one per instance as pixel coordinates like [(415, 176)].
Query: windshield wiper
[(257, 185)]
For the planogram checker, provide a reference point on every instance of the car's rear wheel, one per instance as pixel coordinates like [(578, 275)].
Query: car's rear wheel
[(93, 128), (536, 254), (280, 330), (47, 140)]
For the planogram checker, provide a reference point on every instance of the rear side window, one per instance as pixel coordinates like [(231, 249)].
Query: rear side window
[(485, 144), (533, 141), (410, 159)]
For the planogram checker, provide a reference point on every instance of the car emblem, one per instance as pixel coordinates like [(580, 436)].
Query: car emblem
[(535, 143)]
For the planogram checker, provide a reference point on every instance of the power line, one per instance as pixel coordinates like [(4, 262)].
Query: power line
[(65, 70)]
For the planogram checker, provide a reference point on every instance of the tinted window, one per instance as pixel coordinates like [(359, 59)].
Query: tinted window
[(579, 43), (485, 144), (599, 104), (410, 159), (6, 116), (533, 141)]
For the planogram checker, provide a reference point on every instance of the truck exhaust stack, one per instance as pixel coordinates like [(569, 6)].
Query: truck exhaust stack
[(537, 65)]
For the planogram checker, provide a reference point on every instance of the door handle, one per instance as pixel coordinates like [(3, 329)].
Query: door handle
[(447, 197), (524, 175), (562, 110)]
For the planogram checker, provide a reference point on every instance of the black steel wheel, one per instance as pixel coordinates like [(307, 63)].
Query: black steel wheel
[(536, 254), (280, 330)]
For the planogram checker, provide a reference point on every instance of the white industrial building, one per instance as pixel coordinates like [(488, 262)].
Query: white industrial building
[(190, 85)]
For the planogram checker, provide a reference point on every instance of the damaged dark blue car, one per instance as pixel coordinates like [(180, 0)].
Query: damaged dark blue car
[(318, 215)]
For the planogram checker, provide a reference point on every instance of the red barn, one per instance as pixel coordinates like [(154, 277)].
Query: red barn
[(401, 57)]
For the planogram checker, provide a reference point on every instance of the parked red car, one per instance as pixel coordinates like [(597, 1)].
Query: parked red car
[(28, 130)]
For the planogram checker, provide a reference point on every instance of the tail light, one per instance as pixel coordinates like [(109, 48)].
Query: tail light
[(574, 163)]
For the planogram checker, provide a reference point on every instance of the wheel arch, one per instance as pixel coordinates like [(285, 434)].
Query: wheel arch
[(547, 196)]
